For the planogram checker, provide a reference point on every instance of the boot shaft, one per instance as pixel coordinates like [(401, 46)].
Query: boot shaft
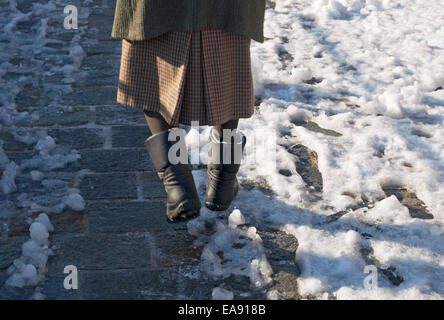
[(226, 154), (168, 148)]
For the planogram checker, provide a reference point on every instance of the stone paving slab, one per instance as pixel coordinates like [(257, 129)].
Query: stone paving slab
[(121, 242), (116, 159), (78, 138), (10, 249), (102, 252), (107, 46), (129, 136), (175, 248), (92, 96), (19, 157), (152, 187), (127, 216), (118, 115), (57, 116), (109, 186), (66, 222), (12, 144), (53, 289), (127, 284)]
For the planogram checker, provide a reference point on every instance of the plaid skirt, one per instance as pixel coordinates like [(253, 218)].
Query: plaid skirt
[(200, 76)]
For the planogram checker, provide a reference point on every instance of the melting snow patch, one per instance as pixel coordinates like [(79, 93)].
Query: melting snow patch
[(7, 182), (29, 269), (231, 249), (235, 219), (221, 294)]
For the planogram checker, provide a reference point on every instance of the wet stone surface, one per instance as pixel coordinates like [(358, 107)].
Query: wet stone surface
[(121, 242)]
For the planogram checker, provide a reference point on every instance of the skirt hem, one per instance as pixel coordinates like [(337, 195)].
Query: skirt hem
[(169, 119)]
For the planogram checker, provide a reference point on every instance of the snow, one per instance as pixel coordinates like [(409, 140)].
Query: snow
[(7, 182), (50, 156), (235, 218), (36, 175), (30, 267), (75, 201), (45, 145), (221, 259), (44, 220), (389, 211), (229, 249), (39, 233), (26, 275), (371, 71), (55, 193), (222, 294)]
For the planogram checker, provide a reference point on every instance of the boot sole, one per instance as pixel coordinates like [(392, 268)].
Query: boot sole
[(217, 207), (183, 218)]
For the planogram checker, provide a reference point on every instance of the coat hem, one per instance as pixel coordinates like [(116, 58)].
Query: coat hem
[(120, 35)]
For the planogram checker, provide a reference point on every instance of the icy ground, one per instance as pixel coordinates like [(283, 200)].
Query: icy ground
[(350, 93), (25, 50), (354, 87)]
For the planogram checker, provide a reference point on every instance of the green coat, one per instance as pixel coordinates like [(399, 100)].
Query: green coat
[(145, 19)]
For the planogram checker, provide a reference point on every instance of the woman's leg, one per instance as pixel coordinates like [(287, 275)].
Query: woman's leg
[(182, 198), (222, 184), (231, 125), (156, 122)]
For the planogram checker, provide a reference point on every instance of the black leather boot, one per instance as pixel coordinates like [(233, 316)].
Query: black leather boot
[(223, 164), (183, 201)]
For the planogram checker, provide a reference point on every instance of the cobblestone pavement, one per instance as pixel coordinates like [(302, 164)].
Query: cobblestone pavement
[(121, 242)]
